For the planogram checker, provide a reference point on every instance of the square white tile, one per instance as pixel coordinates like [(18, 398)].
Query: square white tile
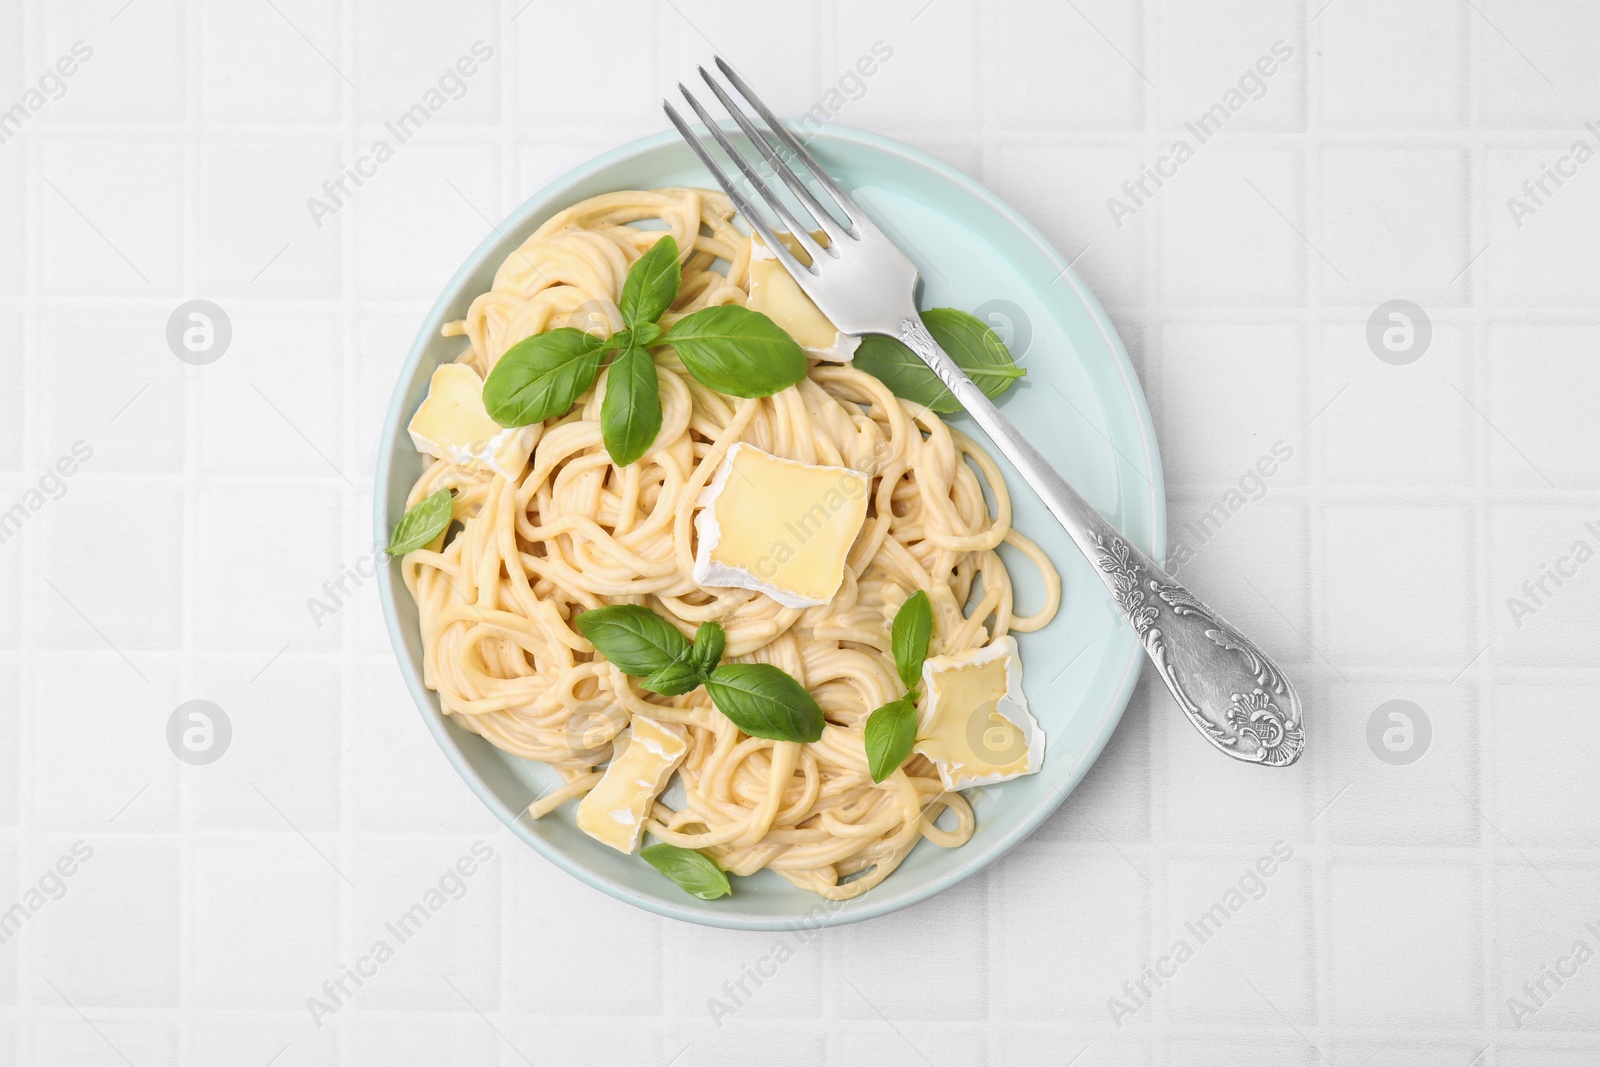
[(235, 514), (1540, 611), (1250, 59), (271, 218), (1533, 71), (282, 769), (914, 64), (1066, 963), (1071, 67), (1538, 799), (1234, 228), (1378, 423), (1403, 943), (277, 392), (1233, 923), (112, 215), (1231, 398), (1537, 377), (635, 939), (446, 62), (289, 887), (1386, 67), (1394, 223), (1546, 931), (1400, 763), (259, 63), (126, 777), (140, 48), (123, 410), (1539, 230), (122, 902), (437, 909), (1375, 560), (78, 609)]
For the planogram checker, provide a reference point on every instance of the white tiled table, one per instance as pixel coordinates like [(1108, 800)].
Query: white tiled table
[(178, 561)]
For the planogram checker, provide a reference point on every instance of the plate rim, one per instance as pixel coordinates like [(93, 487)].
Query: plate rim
[(860, 908)]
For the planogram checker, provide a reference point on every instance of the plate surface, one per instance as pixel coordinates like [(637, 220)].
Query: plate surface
[(1080, 404)]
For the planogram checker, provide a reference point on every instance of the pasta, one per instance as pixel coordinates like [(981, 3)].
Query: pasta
[(575, 532)]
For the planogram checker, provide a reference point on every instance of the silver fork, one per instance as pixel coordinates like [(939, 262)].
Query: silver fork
[(1227, 687)]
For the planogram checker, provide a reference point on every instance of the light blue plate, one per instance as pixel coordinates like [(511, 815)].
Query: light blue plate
[(1080, 404)]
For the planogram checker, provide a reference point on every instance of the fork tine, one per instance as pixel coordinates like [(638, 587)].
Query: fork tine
[(840, 197), (823, 217), (740, 204), (801, 232)]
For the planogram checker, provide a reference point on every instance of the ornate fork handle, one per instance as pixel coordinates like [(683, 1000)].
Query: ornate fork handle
[(1227, 687)]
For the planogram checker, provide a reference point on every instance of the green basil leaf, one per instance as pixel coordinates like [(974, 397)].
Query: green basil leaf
[(652, 283), (630, 414), (737, 351), (695, 872), (675, 678), (763, 701), (542, 376), (709, 642), (420, 525), (913, 626), (975, 347), (890, 733), (639, 641)]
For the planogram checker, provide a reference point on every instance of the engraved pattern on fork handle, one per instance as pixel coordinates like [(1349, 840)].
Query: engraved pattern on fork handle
[(1254, 710)]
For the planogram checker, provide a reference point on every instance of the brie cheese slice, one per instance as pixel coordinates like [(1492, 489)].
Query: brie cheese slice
[(453, 425), (975, 726), (778, 526), (614, 811)]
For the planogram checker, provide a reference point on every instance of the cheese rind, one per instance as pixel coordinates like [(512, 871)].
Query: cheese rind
[(614, 811), (452, 424), (778, 526), (975, 726), (775, 293)]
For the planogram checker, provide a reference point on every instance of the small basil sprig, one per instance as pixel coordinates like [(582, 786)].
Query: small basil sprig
[(975, 347), (729, 348), (695, 872), (892, 729), (758, 698), (420, 525)]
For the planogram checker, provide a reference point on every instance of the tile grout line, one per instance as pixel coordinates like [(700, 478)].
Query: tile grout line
[(32, 550), (1482, 672), (1320, 869), (1158, 897), (510, 192), (348, 21)]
